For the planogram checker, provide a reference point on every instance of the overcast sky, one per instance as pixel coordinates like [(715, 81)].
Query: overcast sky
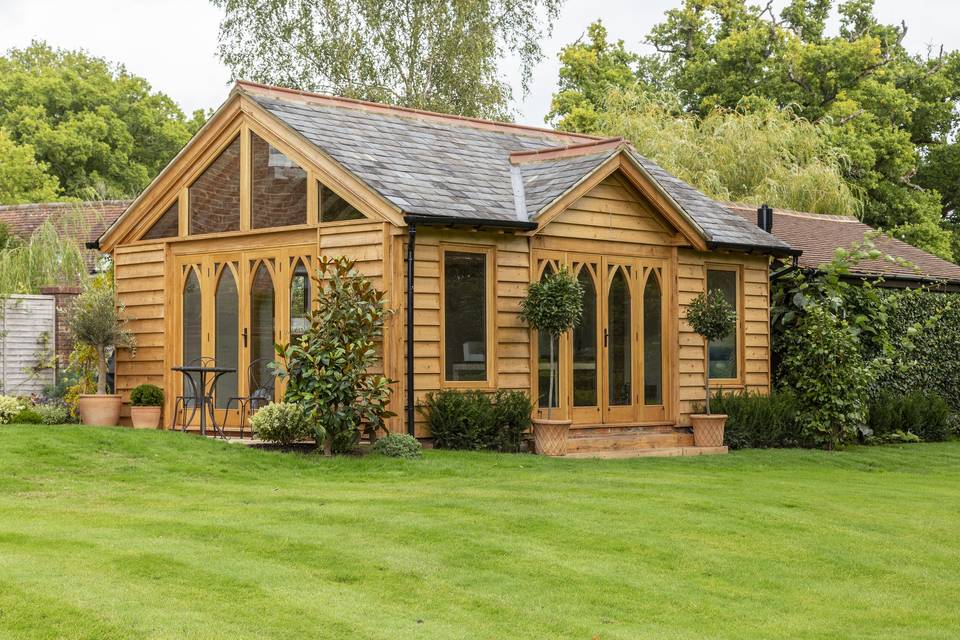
[(172, 43)]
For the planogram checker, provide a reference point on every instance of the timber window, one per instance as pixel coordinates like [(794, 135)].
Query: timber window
[(548, 380), (299, 300), (466, 294), (215, 196), (722, 354), (279, 186), (167, 225), (334, 208)]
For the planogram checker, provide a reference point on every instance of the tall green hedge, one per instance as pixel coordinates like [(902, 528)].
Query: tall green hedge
[(934, 362)]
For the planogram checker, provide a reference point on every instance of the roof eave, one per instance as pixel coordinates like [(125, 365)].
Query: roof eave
[(753, 248), (478, 223)]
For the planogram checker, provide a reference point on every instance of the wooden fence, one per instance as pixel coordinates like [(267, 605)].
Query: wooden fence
[(27, 343)]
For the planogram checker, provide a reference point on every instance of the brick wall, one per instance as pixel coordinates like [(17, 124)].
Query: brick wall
[(279, 188), (215, 195), (63, 297)]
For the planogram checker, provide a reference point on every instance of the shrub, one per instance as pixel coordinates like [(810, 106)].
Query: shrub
[(712, 318), (281, 423), (759, 421), (26, 416), (923, 414), (95, 321), (511, 415), (398, 445), (9, 407), (473, 420), (327, 368), (53, 413), (459, 419), (146, 395)]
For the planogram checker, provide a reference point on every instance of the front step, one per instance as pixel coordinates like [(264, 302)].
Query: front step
[(663, 452), (584, 441)]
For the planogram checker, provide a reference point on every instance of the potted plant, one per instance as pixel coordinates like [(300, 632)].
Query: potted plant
[(145, 403), (552, 306), (95, 321), (712, 317)]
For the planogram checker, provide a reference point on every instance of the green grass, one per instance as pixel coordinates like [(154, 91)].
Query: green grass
[(112, 533)]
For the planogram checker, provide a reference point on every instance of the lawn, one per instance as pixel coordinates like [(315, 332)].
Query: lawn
[(112, 533)]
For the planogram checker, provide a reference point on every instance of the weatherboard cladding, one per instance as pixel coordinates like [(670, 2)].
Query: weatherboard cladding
[(431, 167)]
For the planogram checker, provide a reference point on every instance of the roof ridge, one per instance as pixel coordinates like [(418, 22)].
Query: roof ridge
[(792, 212), (483, 123), (567, 150), (48, 205)]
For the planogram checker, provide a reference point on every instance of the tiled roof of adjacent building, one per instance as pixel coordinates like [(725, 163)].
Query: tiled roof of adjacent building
[(819, 236), (24, 219), (430, 164)]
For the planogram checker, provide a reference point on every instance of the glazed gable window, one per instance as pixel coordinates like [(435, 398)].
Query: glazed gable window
[(279, 197), (214, 197), (466, 295), (722, 354)]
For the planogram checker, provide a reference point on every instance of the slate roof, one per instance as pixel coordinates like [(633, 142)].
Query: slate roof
[(24, 219), (819, 236), (445, 166)]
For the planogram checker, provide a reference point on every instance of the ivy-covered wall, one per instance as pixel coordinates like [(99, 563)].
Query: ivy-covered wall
[(934, 362)]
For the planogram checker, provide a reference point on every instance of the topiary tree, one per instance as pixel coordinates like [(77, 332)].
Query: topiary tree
[(327, 368), (95, 321), (712, 317), (553, 306)]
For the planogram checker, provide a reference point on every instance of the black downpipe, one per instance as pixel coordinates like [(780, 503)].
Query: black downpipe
[(411, 247)]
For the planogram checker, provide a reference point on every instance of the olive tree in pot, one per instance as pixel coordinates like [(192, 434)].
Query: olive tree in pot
[(95, 321), (712, 317), (146, 401), (552, 306)]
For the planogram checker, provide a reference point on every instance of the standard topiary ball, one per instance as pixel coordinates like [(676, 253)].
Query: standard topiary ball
[(146, 395), (398, 445)]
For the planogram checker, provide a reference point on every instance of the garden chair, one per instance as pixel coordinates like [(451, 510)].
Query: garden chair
[(194, 397), (261, 386)]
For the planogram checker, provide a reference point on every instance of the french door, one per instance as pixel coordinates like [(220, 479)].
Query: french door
[(613, 363), (233, 308)]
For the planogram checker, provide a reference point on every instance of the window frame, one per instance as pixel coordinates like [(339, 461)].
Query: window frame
[(490, 379), (737, 270)]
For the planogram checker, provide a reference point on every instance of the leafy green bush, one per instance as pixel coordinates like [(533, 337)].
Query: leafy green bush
[(26, 416), (511, 416), (759, 421), (923, 414), (327, 368), (281, 423), (55, 413), (9, 407), (473, 420), (398, 445), (146, 395)]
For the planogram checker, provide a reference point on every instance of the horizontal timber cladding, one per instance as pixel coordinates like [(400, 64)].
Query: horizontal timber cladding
[(139, 274), (753, 326), (510, 360)]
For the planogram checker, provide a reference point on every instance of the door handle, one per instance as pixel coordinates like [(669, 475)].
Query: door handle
[(605, 334), (244, 337)]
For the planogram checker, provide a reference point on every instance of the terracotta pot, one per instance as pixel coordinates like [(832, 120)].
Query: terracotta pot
[(708, 429), (550, 437), (100, 410), (145, 417)]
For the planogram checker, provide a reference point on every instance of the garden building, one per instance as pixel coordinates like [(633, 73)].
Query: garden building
[(214, 259)]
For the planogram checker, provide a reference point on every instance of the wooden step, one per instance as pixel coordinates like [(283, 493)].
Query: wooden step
[(626, 440), (661, 452)]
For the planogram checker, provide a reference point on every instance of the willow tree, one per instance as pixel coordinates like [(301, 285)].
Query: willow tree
[(52, 255), (441, 55)]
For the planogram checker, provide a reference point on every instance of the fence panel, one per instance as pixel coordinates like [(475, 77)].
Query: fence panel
[(27, 325)]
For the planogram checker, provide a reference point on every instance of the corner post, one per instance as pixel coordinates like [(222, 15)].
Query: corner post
[(411, 248)]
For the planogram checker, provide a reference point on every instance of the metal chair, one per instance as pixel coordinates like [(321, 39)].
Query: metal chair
[(261, 390), (193, 396)]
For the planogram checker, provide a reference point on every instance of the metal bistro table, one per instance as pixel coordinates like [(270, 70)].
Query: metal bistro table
[(204, 391)]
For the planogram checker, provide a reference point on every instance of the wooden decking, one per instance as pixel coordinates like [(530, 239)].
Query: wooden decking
[(634, 441)]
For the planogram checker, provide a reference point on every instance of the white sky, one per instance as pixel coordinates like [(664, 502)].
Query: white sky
[(172, 43)]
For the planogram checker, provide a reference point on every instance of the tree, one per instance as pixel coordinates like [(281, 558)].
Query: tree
[(881, 105), (712, 318), (22, 177), (99, 130), (96, 322), (552, 306), (440, 55)]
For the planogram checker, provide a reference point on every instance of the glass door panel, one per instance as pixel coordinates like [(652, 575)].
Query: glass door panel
[(300, 300), (262, 327), (652, 318), (585, 347), (226, 335), (545, 346), (618, 342)]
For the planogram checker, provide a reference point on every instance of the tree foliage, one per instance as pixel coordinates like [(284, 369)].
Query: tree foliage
[(22, 177), (881, 105), (327, 368), (99, 130), (441, 55), (96, 321), (52, 255), (712, 318)]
